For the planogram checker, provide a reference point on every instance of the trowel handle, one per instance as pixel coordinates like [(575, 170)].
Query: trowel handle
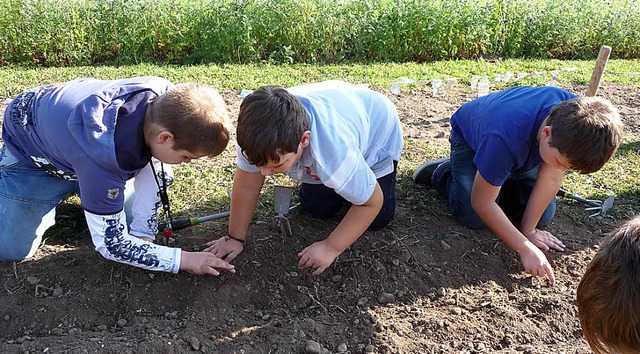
[(563, 193)]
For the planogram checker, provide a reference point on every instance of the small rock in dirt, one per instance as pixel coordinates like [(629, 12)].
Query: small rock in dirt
[(362, 301), (171, 315), (101, 328), (195, 343), (369, 348), (20, 340), (32, 280), (57, 291), (293, 274), (342, 348), (121, 323), (445, 246), (266, 317), (396, 262), (385, 298), (74, 331), (57, 331), (441, 291), (7, 318), (456, 311), (480, 347), (336, 278), (441, 134), (312, 347)]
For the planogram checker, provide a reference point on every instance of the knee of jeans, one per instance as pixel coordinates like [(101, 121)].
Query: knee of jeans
[(380, 222), (469, 219), (321, 209), (548, 214), (14, 253)]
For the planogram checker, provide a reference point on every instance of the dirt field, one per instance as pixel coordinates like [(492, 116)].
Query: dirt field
[(423, 285)]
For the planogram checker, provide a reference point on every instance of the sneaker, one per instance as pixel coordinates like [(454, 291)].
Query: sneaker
[(422, 174)]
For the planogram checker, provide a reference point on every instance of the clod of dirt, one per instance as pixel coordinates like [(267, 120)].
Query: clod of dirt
[(195, 343), (313, 347), (385, 298)]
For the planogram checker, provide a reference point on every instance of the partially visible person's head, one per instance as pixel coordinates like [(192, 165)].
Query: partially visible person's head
[(195, 117), (586, 130), (272, 122), (608, 296)]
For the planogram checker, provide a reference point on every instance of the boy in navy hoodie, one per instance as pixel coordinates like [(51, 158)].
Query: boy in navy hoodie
[(93, 137)]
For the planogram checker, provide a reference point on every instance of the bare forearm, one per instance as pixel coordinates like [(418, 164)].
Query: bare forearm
[(498, 222), (244, 198), (545, 189), (356, 222)]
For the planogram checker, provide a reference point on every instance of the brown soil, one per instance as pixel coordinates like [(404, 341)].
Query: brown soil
[(423, 285)]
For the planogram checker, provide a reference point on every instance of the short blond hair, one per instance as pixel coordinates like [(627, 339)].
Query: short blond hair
[(195, 114), (608, 296)]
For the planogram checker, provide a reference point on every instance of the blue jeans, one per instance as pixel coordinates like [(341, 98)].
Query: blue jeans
[(323, 201), (454, 180), (28, 200)]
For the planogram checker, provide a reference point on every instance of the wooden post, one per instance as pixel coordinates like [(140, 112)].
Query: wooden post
[(596, 76)]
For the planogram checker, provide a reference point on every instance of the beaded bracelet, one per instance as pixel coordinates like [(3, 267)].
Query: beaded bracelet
[(229, 237)]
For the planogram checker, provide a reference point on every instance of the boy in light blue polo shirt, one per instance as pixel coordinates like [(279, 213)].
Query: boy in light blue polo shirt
[(342, 141)]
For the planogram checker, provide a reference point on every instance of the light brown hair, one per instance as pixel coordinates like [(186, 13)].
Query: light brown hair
[(586, 130), (608, 296), (195, 114)]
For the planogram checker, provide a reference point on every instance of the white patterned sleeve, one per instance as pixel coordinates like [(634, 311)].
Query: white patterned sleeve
[(112, 240)]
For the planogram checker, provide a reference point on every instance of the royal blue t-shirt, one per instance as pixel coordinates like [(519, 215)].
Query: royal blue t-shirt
[(502, 129)]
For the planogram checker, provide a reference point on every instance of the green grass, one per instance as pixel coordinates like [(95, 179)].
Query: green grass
[(14, 79), (200, 188), (85, 32)]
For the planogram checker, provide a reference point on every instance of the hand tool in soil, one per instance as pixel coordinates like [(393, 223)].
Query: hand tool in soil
[(281, 204), (187, 222), (599, 206)]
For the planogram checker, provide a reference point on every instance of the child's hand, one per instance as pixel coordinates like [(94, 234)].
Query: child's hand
[(203, 263), (224, 248), (536, 264), (544, 240), (318, 256)]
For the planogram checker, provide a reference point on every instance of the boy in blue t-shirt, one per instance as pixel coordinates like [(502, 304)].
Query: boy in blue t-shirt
[(341, 140), (509, 152), (103, 139)]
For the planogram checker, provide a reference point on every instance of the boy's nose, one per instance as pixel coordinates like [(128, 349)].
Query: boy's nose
[(266, 171)]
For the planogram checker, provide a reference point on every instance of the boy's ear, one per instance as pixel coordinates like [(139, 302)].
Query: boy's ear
[(164, 136), (306, 139), (546, 132)]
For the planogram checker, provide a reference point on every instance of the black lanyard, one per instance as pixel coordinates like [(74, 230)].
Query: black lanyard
[(167, 232)]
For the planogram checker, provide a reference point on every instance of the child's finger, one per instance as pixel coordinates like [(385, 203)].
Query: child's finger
[(549, 271), (211, 271), (319, 270), (304, 251)]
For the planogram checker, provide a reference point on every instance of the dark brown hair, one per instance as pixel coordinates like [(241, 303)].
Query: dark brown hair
[(586, 130), (608, 296), (195, 114), (271, 122)]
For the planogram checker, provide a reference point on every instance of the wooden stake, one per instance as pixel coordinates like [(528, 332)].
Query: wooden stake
[(596, 76)]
